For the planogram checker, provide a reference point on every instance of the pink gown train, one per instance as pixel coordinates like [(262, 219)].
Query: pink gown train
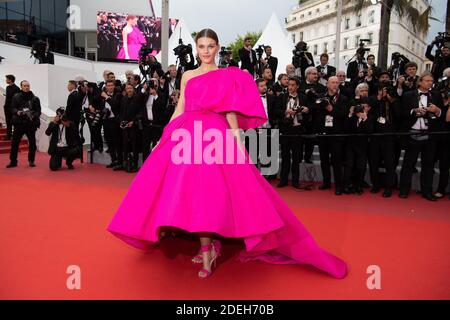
[(231, 200)]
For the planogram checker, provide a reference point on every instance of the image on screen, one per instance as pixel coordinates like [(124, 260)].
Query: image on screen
[(121, 36)]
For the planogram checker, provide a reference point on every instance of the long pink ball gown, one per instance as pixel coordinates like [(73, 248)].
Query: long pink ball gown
[(231, 200)]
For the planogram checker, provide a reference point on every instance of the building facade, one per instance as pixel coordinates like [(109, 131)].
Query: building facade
[(314, 22), (25, 21)]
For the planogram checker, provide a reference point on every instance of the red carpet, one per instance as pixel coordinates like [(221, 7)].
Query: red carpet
[(50, 220)]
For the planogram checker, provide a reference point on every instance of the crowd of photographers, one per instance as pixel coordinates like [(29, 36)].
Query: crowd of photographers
[(359, 118)]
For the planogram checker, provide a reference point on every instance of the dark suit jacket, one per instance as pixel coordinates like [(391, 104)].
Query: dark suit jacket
[(331, 71), (273, 65), (410, 100), (158, 110), (271, 109), (10, 92), (73, 108), (282, 101), (339, 114), (72, 137), (244, 56), (352, 69)]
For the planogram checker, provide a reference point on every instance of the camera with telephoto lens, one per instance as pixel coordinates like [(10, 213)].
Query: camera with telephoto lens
[(388, 85), (223, 53), (359, 108), (38, 49), (442, 39), (443, 87)]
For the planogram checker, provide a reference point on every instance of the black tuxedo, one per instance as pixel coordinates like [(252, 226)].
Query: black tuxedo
[(130, 108), (23, 125), (10, 92), (48, 58), (113, 133), (244, 56), (73, 108), (306, 60), (419, 144), (70, 152), (354, 67), (331, 149), (152, 129), (356, 151), (273, 65), (331, 71), (291, 144), (385, 117)]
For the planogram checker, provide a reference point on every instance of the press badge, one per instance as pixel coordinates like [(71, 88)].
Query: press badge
[(328, 121), (381, 120)]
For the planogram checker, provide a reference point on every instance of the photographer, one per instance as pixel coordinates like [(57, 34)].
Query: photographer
[(398, 63), (357, 122), (441, 59), (93, 113), (129, 115), (171, 105), (64, 141), (11, 90), (152, 117), (385, 112), (345, 87), (443, 147), (312, 89), (270, 61), (354, 67), (110, 105), (25, 117), (371, 65), (302, 59), (226, 59), (173, 81), (73, 106), (268, 77), (422, 114), (331, 114), (248, 57), (265, 130), (281, 86), (325, 70), (135, 81), (408, 81), (292, 113)]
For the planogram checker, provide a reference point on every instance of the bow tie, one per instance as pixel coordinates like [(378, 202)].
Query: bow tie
[(423, 93), (263, 96), (292, 97)]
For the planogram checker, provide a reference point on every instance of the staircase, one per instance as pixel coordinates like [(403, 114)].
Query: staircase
[(5, 146)]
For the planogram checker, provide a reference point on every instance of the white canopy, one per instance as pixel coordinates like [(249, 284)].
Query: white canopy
[(274, 36)]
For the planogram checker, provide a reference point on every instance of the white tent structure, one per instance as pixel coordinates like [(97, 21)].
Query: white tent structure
[(173, 41), (274, 36)]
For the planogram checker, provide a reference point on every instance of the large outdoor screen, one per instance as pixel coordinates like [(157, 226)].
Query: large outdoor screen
[(121, 36)]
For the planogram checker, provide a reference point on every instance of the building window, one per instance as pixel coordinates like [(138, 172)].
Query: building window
[(413, 45), (347, 23), (372, 16), (317, 10), (325, 47), (358, 20), (346, 43), (357, 40), (370, 37), (300, 38), (309, 13), (328, 6), (315, 49), (293, 38), (302, 16)]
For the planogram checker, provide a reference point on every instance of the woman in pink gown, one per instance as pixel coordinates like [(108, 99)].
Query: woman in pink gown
[(215, 198), (132, 38)]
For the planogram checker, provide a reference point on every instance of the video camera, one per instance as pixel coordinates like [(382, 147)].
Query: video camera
[(442, 39), (38, 49), (223, 53)]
